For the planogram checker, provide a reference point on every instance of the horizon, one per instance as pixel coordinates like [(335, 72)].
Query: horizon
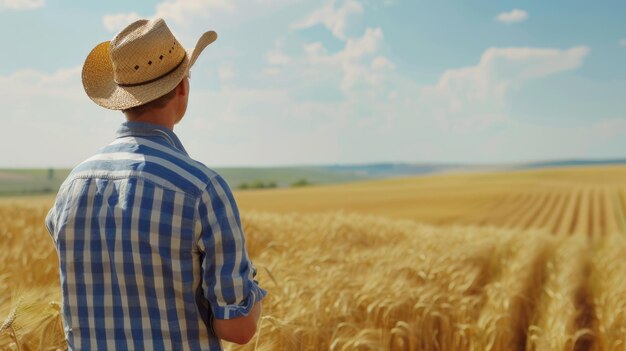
[(336, 82), (584, 162)]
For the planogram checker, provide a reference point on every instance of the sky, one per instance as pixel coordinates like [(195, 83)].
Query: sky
[(294, 82)]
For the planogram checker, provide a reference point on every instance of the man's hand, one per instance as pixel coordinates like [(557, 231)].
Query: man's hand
[(239, 330)]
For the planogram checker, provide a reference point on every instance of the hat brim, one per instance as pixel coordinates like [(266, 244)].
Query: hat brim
[(101, 87)]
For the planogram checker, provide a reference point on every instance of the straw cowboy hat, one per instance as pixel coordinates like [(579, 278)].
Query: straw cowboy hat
[(142, 63)]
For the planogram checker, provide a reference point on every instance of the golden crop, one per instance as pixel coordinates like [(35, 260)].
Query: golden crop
[(344, 275), (589, 200)]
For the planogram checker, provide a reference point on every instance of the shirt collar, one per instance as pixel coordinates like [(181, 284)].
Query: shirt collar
[(144, 129)]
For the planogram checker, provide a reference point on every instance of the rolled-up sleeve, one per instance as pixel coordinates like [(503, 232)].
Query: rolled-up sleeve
[(227, 273)]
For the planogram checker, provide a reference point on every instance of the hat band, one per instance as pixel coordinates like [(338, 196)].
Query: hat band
[(154, 79)]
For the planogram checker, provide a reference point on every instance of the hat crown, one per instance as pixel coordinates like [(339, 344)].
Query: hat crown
[(144, 51)]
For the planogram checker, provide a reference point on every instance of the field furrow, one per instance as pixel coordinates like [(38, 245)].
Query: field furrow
[(535, 212), (566, 220), (556, 214), (499, 216), (482, 214), (600, 224), (518, 211), (584, 216), (542, 218), (618, 211)]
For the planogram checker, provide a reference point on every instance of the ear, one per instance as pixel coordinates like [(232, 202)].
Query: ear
[(183, 87)]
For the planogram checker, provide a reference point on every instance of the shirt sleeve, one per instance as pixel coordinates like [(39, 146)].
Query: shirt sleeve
[(50, 221), (227, 273)]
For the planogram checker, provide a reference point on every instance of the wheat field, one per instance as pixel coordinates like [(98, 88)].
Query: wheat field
[(528, 260), (588, 200)]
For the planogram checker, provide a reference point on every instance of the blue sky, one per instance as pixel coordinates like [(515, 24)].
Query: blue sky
[(293, 82)]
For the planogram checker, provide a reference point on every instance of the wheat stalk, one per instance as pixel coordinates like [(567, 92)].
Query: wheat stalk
[(8, 324)]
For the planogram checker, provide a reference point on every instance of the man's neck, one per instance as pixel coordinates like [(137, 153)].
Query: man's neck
[(155, 117)]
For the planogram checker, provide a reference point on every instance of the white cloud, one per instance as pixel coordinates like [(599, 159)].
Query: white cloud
[(335, 19), (315, 51), (178, 12), (115, 23), (533, 62), (470, 98), (351, 58), (350, 67), (515, 16), (17, 5), (359, 65), (382, 63), (368, 43), (276, 56), (622, 42)]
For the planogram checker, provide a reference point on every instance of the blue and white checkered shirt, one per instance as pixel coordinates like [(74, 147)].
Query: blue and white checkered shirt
[(150, 247)]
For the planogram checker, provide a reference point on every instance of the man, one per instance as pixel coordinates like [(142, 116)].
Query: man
[(151, 249)]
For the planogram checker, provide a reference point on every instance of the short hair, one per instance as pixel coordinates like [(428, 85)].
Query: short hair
[(154, 104)]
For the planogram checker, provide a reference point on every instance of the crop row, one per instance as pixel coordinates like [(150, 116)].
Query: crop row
[(593, 211)]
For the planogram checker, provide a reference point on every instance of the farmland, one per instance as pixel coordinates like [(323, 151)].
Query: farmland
[(530, 260), (587, 200)]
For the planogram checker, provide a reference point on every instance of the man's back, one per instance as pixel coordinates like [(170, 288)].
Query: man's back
[(150, 246)]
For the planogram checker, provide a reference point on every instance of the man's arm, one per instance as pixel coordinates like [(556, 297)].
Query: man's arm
[(239, 330), (227, 273)]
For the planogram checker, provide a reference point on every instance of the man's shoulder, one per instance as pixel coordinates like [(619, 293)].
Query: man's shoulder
[(157, 163), (208, 173)]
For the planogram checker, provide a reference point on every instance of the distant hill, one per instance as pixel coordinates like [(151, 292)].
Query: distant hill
[(42, 181), (572, 163), (384, 170)]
